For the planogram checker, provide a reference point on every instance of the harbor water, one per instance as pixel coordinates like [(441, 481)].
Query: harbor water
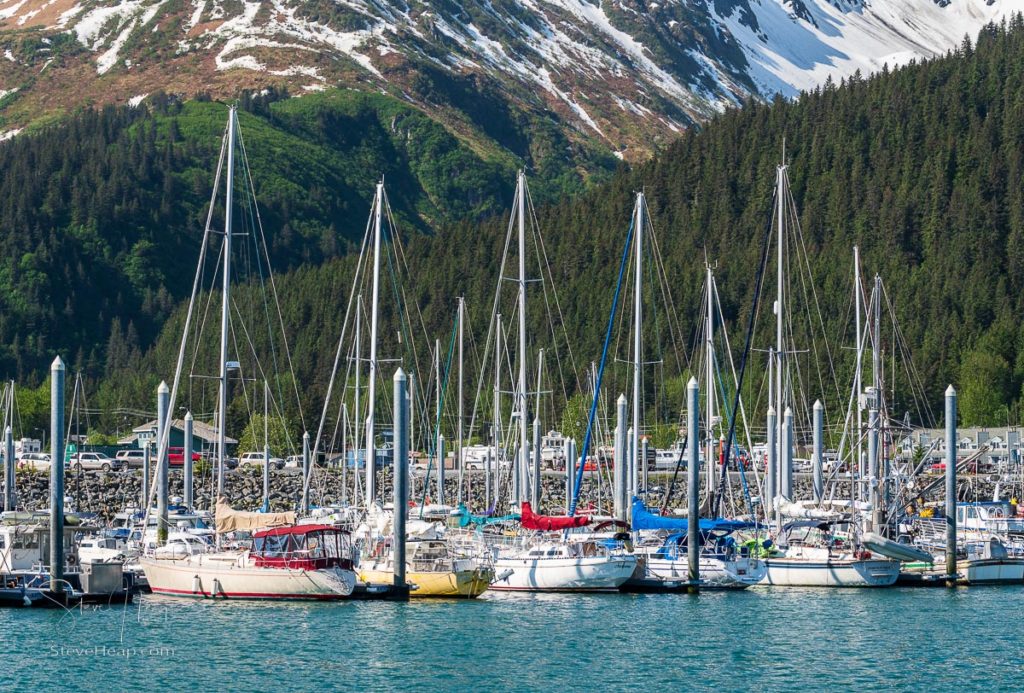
[(761, 639)]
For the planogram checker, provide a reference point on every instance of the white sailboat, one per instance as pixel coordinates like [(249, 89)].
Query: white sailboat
[(816, 556), (813, 555), (286, 562)]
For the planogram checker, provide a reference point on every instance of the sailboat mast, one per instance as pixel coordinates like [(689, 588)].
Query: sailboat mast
[(225, 311), (497, 408), (709, 415), (355, 418), (637, 338), (371, 454), (860, 361), (876, 343), (437, 424), (458, 444), (780, 396), (520, 486)]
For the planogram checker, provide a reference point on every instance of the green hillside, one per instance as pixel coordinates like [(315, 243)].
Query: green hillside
[(920, 167)]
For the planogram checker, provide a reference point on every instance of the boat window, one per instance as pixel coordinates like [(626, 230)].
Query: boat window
[(25, 541), (275, 545), (3, 542), (315, 544)]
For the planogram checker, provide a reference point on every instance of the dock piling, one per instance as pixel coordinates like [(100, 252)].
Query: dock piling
[(951, 446), (401, 469), (163, 400), (9, 485), (619, 462), (693, 479), (817, 470), (187, 453), (57, 371)]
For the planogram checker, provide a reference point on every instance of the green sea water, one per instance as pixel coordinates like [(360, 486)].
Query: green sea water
[(761, 639)]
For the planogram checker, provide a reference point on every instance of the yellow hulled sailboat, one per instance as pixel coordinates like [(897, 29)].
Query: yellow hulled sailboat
[(431, 569)]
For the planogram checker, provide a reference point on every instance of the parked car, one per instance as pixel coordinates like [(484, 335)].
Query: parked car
[(34, 460), (132, 459), (93, 461), (255, 459), (176, 457), (294, 462)]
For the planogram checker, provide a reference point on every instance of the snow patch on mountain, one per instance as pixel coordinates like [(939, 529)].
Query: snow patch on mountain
[(613, 68), (789, 53)]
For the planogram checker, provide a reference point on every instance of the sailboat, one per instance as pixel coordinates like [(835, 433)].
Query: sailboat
[(814, 552), (724, 562), (286, 561), (547, 562), (433, 569)]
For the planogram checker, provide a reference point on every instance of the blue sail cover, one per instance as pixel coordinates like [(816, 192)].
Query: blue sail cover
[(645, 519)]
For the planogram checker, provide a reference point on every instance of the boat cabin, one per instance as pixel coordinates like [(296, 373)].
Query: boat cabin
[(999, 517), (302, 547)]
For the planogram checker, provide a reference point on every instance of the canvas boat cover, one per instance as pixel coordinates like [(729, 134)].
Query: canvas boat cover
[(547, 523), (230, 520), (645, 519)]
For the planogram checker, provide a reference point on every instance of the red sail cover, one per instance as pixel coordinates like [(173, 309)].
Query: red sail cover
[(529, 520)]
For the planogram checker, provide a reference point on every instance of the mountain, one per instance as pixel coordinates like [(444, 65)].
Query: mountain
[(626, 76), (920, 167)]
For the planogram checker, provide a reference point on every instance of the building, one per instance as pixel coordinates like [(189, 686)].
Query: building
[(1000, 444), (204, 436)]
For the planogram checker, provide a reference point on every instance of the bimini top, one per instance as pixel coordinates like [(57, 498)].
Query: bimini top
[(297, 529), (823, 525), (645, 519)]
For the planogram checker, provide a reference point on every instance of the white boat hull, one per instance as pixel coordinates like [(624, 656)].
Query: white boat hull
[(217, 576), (563, 573), (714, 573), (993, 571), (837, 572)]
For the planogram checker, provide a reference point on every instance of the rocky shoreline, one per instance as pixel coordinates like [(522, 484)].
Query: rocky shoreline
[(108, 493)]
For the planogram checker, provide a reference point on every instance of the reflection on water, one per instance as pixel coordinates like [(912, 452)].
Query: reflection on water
[(763, 638)]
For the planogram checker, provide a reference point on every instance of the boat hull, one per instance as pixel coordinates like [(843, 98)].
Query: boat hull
[(715, 574), (563, 574), (457, 583), (992, 571), (201, 576), (795, 572)]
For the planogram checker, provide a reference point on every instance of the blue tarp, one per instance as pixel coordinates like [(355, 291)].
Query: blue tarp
[(645, 519)]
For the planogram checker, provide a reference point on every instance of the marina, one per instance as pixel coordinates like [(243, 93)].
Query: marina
[(527, 465)]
